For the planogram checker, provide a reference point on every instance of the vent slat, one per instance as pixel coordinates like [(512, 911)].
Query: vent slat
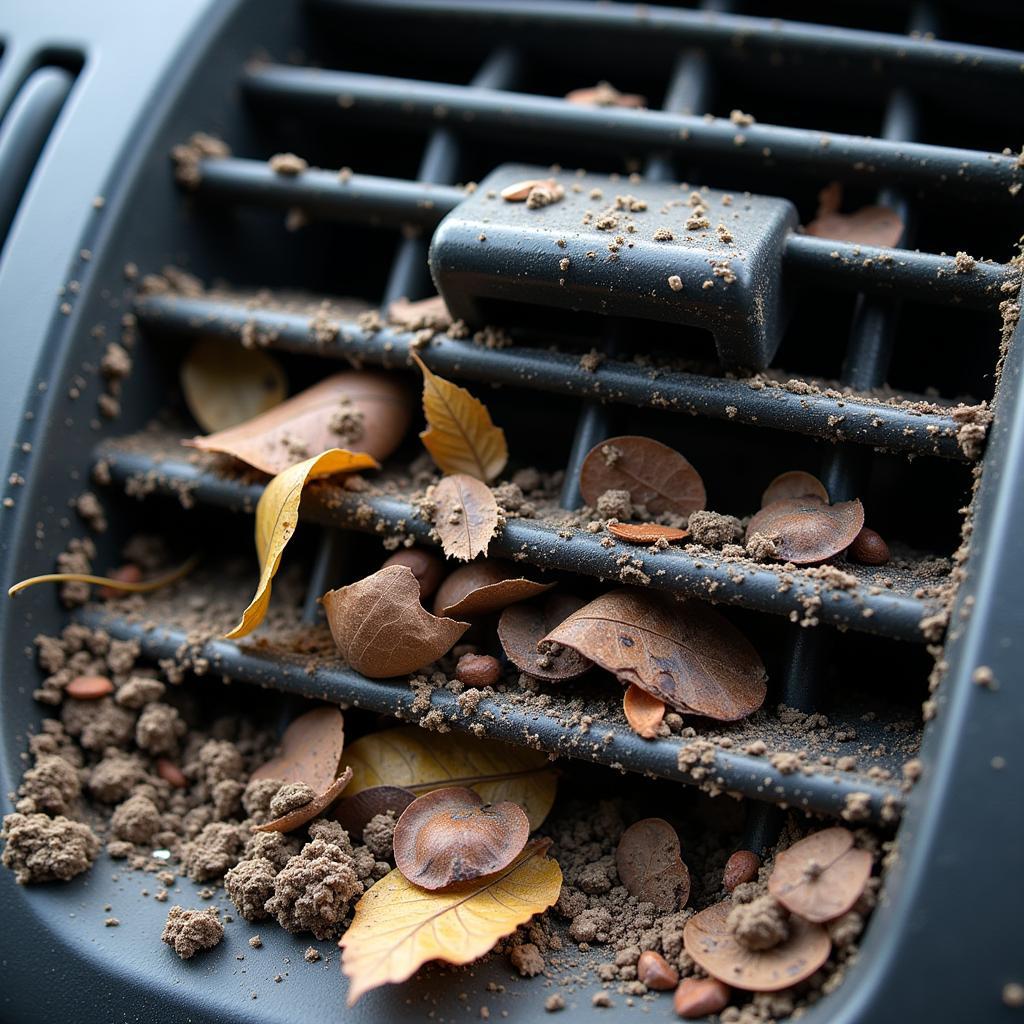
[(503, 718), (892, 427), (864, 605)]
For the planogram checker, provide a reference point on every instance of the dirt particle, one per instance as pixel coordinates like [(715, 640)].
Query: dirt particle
[(189, 931)]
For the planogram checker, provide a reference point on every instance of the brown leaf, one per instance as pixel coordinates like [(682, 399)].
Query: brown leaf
[(450, 836), (656, 476), (359, 410), (808, 530), (429, 313), (466, 517), (460, 436), (355, 812), (684, 653), (225, 384), (643, 712), (646, 533), (381, 628), (604, 94), (794, 484), (310, 750), (870, 225), (521, 629), (714, 947), (307, 812), (821, 877), (482, 588), (649, 865)]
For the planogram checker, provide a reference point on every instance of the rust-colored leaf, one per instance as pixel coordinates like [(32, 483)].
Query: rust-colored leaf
[(460, 436), (709, 940), (307, 812), (870, 225), (650, 867), (381, 628), (646, 533), (604, 94), (822, 876), (466, 517), (794, 484), (310, 750), (450, 835), (657, 477), (358, 410), (643, 712), (683, 653), (522, 628), (354, 812), (398, 927), (482, 588), (808, 530), (225, 384)]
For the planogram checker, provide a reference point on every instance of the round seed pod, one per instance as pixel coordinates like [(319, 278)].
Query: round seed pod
[(869, 548), (427, 567), (809, 531)]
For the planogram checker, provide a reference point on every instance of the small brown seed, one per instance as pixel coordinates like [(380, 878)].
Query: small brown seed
[(868, 548), (518, 192), (170, 772), (425, 565), (656, 972), (89, 687), (741, 867), (478, 670), (699, 997), (129, 573)]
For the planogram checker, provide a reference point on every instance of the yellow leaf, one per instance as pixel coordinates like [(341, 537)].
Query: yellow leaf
[(277, 515), (143, 587), (398, 927), (460, 435), (420, 761)]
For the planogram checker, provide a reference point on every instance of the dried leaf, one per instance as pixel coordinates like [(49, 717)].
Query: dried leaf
[(398, 927), (225, 384), (450, 836), (643, 712), (646, 533), (657, 477), (684, 653), (808, 530), (460, 436), (714, 947), (466, 517), (381, 628), (364, 410), (310, 750), (355, 812), (794, 484), (647, 859), (277, 515), (307, 812), (421, 761), (482, 588), (522, 628), (109, 582), (821, 877), (870, 225)]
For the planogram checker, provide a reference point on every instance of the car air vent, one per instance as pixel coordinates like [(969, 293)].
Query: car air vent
[(893, 373)]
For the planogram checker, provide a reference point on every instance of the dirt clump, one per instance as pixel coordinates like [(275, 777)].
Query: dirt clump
[(189, 931), (43, 849)]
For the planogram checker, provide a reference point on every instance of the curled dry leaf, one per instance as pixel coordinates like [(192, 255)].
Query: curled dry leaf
[(310, 750), (683, 653), (482, 588), (466, 517), (794, 484), (421, 761), (714, 947), (656, 476), (398, 927), (225, 384), (809, 531), (450, 836), (646, 533), (307, 812), (427, 567), (870, 225), (643, 712), (821, 877), (277, 515), (354, 812), (523, 627), (649, 865), (381, 628), (360, 409), (460, 436)]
